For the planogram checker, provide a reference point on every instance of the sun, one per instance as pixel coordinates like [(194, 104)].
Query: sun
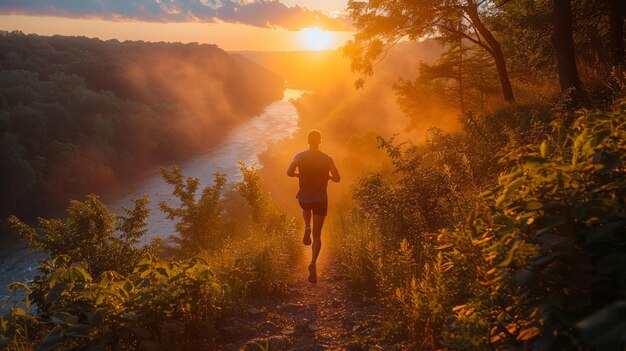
[(316, 39)]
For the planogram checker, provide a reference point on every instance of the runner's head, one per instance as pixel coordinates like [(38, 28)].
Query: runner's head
[(314, 138)]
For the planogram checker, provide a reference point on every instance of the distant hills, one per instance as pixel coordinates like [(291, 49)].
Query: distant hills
[(80, 115)]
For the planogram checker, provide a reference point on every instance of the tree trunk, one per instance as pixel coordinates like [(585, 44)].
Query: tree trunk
[(460, 77), (503, 74), (495, 51), (563, 41), (617, 12)]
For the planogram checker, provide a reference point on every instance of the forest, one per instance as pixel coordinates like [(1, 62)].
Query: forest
[(83, 115), (482, 147)]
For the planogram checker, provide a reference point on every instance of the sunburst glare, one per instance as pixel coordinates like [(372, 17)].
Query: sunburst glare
[(316, 39)]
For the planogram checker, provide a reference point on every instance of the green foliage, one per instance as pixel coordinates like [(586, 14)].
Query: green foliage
[(97, 290), (254, 257), (533, 264), (91, 234), (79, 115), (359, 253), (160, 304), (382, 24), (556, 226), (429, 180), (526, 23), (260, 259), (251, 189), (201, 224), (463, 77)]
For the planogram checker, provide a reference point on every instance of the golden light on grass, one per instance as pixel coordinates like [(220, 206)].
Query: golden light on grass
[(316, 39)]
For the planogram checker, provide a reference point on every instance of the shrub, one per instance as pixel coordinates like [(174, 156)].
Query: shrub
[(261, 258), (533, 263), (97, 290), (556, 229), (161, 304), (91, 234), (201, 223)]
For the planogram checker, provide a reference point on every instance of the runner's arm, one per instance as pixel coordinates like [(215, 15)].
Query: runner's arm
[(334, 173), (291, 171)]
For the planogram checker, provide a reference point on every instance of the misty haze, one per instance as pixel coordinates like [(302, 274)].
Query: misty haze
[(313, 175)]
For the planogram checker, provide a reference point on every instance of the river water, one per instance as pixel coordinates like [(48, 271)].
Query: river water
[(278, 121)]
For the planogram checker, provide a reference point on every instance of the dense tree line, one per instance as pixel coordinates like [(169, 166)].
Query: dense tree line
[(579, 42), (79, 115)]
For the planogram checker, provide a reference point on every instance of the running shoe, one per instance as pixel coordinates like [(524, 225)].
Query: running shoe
[(312, 273), (307, 236)]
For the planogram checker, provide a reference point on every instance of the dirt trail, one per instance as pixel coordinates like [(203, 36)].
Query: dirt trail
[(310, 317)]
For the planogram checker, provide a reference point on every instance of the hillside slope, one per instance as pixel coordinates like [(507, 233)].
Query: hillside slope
[(81, 115)]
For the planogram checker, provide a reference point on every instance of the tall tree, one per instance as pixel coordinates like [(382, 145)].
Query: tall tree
[(381, 24), (462, 77), (617, 15), (563, 41)]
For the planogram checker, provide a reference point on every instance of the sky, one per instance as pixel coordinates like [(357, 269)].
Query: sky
[(233, 25)]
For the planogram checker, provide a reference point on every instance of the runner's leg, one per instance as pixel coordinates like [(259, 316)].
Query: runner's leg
[(318, 223), (306, 239), (306, 215)]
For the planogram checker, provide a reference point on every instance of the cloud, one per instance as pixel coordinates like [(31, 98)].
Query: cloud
[(260, 13)]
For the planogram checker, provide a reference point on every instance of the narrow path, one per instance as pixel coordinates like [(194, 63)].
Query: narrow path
[(310, 317)]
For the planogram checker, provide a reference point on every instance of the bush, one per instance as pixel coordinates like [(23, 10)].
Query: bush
[(91, 234), (555, 231), (97, 290), (261, 258), (532, 263), (200, 223), (161, 304)]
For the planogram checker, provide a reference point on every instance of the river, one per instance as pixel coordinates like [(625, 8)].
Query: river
[(278, 121)]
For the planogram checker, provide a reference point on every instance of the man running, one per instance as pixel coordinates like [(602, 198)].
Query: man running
[(315, 168)]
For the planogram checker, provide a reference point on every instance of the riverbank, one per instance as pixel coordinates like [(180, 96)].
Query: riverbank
[(278, 121), (109, 111)]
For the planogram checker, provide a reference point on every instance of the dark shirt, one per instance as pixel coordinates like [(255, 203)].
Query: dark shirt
[(314, 168)]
